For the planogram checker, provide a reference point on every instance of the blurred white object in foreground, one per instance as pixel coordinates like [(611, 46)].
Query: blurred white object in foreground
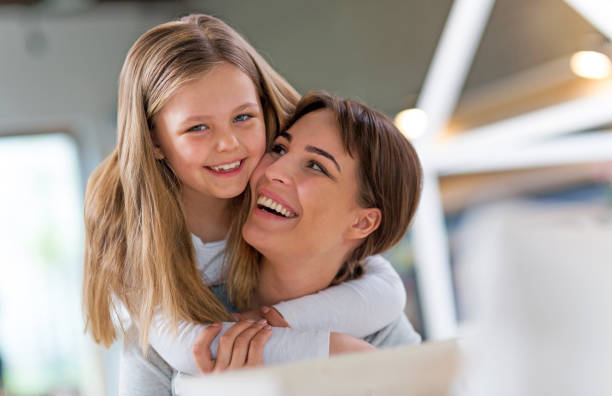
[(536, 282), (417, 370)]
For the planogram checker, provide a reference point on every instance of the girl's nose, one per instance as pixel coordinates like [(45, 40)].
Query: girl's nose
[(226, 141)]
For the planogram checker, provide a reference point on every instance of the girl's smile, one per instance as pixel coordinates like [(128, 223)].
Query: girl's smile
[(228, 169), (211, 132)]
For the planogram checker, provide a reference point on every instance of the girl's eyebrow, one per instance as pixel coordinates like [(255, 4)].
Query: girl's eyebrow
[(200, 117), (193, 118), (246, 105), (316, 150)]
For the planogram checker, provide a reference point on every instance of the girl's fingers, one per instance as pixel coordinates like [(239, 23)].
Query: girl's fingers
[(256, 347), (273, 317), (254, 315), (201, 348), (242, 344), (226, 344)]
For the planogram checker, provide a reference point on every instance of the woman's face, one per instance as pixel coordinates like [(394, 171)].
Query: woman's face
[(212, 132), (303, 191)]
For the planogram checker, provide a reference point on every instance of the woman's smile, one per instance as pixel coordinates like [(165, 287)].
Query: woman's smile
[(303, 190), (270, 203)]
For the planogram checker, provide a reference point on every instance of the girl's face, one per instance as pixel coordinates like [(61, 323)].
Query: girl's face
[(212, 132), (303, 191)]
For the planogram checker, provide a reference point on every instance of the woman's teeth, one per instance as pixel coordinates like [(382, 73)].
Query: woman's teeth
[(226, 167), (274, 206)]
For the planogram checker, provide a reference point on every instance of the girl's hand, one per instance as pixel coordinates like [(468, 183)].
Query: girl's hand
[(274, 318), (240, 346), (252, 315)]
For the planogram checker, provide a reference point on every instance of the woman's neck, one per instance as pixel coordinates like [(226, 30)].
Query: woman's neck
[(207, 217), (292, 278)]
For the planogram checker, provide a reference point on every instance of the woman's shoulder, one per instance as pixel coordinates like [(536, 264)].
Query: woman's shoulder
[(143, 374), (398, 332)]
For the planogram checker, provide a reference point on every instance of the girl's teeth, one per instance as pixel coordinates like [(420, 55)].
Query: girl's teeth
[(226, 167)]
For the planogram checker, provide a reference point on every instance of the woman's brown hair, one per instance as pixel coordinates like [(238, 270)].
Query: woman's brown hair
[(138, 249), (389, 178)]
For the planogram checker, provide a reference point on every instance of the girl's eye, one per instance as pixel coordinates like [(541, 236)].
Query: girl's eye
[(278, 149), (314, 165), (198, 128), (242, 117)]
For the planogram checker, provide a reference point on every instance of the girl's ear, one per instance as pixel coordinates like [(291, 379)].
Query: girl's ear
[(157, 152), (366, 222)]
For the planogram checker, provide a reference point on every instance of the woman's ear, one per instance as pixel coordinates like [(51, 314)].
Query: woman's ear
[(366, 222)]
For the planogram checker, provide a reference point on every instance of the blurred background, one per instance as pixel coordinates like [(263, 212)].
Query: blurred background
[(509, 103)]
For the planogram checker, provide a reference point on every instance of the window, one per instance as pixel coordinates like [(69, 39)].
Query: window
[(42, 343)]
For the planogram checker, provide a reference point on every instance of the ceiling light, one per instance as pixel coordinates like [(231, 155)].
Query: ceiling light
[(591, 64), (412, 123)]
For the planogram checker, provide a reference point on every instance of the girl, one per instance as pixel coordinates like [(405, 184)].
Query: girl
[(197, 105)]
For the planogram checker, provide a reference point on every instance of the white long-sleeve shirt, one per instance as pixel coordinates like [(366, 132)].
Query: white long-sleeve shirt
[(358, 308)]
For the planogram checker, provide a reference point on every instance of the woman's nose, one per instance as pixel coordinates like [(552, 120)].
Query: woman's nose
[(279, 171)]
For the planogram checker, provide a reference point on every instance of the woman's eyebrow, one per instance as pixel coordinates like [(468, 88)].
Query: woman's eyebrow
[(286, 135), (324, 153)]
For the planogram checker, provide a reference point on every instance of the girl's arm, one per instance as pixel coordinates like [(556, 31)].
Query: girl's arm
[(358, 307), (285, 344)]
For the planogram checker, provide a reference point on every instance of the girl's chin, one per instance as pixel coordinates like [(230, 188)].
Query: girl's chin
[(229, 192)]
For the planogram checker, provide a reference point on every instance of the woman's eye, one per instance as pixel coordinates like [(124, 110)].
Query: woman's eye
[(198, 128), (242, 117), (314, 165), (278, 149)]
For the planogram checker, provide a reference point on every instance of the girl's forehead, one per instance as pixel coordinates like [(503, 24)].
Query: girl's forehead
[(224, 88)]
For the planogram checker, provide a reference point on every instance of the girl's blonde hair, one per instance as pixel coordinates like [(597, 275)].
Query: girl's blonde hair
[(389, 178), (138, 248)]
